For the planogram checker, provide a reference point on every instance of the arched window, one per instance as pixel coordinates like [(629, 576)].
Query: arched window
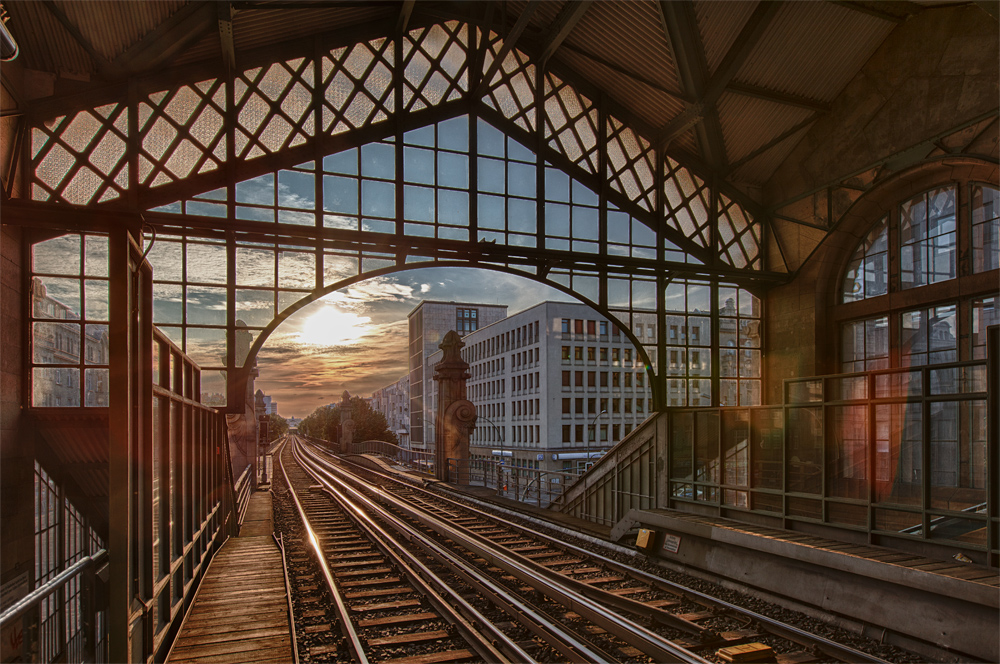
[(914, 291)]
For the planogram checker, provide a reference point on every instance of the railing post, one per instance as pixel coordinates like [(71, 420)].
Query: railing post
[(88, 611)]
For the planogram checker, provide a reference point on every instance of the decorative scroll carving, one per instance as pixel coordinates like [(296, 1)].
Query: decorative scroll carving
[(456, 416)]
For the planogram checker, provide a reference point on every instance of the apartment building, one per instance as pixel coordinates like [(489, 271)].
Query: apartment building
[(554, 385), (393, 401), (428, 323)]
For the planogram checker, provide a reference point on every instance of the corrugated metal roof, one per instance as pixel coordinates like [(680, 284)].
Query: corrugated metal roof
[(630, 34), (43, 43), (759, 169), (719, 22), (749, 123), (257, 28), (652, 106), (813, 49), (112, 26)]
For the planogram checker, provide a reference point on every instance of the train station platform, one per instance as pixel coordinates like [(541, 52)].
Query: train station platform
[(241, 610), (901, 592)]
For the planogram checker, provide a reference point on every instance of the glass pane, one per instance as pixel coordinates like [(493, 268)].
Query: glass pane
[(205, 263), (736, 451), (805, 450), (898, 455), (55, 343), (96, 258), (681, 445), (207, 346), (52, 297), (60, 255), (706, 447), (206, 305), (96, 297), (213, 388), (847, 453), (255, 308), (97, 346), (97, 389), (958, 456), (297, 190), (168, 302), (167, 260), (767, 437), (55, 388)]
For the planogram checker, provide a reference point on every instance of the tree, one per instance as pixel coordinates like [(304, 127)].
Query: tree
[(277, 427), (369, 424)]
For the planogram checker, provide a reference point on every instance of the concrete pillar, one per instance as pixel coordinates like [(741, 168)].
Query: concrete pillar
[(456, 415)]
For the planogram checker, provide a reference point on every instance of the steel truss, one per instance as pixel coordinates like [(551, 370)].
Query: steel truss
[(172, 136)]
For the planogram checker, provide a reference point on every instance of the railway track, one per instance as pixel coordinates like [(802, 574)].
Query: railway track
[(552, 600)]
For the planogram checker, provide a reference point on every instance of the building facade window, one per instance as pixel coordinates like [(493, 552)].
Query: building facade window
[(912, 248), (466, 320)]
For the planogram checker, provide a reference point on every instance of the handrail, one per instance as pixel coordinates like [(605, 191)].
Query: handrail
[(35, 597), (242, 492)]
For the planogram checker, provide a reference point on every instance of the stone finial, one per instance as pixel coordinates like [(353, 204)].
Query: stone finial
[(451, 347)]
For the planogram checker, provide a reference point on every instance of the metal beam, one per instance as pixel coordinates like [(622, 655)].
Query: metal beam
[(780, 138), (682, 29), (783, 98), (618, 69), (225, 19), (106, 68), (185, 27), (405, 12), (894, 12), (564, 24), (509, 40)]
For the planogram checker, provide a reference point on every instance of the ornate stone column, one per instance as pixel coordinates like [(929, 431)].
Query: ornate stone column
[(456, 415)]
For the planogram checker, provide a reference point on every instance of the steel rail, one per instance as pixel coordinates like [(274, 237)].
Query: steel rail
[(795, 634), (550, 631), (542, 580), (419, 575), (343, 614)]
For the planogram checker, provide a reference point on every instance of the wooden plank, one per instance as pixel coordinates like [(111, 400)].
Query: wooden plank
[(412, 637), (398, 604), (433, 657), (378, 592), (396, 620)]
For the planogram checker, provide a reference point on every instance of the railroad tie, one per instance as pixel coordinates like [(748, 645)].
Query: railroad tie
[(398, 620)]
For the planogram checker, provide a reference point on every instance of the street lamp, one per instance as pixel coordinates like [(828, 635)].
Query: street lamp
[(593, 433), (500, 437), (499, 432)]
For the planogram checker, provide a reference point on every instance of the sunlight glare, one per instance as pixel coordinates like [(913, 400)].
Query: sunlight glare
[(331, 327)]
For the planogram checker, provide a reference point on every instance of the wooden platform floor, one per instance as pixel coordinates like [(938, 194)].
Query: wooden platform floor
[(240, 613)]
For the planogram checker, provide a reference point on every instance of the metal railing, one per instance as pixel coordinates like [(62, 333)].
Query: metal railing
[(93, 647), (528, 485), (422, 461)]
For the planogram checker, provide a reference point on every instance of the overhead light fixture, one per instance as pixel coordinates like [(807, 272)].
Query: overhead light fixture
[(8, 47)]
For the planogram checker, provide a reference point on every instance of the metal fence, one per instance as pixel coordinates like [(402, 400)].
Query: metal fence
[(898, 453)]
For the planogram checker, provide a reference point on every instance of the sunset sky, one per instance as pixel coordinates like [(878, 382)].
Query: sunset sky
[(355, 339)]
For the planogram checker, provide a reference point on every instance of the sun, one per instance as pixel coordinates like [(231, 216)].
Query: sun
[(332, 327)]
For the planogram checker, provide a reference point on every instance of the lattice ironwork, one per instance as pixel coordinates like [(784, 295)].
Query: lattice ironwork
[(572, 124), (435, 65), (81, 159), (273, 103), (357, 85), (739, 236), (511, 91), (182, 132)]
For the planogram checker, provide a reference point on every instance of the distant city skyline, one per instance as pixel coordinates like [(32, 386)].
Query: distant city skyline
[(355, 339)]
